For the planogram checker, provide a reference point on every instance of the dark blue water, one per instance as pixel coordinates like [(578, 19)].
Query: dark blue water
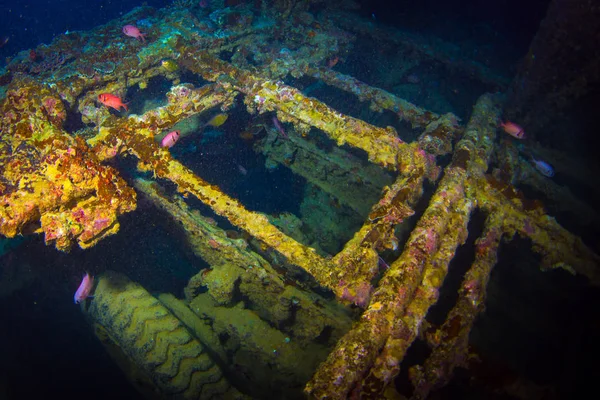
[(30, 23)]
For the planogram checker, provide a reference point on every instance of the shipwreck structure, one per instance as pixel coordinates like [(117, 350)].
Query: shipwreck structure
[(414, 193)]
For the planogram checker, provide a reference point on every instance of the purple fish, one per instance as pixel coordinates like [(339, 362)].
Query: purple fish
[(84, 289), (544, 168), (279, 127)]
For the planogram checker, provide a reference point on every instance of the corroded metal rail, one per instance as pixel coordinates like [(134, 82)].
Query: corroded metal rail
[(367, 359)]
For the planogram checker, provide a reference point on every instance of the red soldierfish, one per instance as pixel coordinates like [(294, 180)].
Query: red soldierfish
[(110, 100), (170, 139), (133, 31), (85, 288), (513, 129)]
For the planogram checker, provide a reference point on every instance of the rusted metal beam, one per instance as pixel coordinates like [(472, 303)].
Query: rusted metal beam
[(381, 145), (450, 342), (403, 293)]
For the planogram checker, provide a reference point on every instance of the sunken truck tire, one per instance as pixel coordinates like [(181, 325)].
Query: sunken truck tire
[(158, 354)]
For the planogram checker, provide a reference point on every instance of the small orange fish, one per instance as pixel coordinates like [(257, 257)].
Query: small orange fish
[(110, 100), (513, 129)]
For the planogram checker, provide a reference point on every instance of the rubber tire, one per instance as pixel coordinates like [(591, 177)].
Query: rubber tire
[(156, 351)]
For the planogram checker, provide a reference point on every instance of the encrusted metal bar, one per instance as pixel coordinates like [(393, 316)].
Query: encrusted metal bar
[(380, 99), (558, 247), (136, 135), (440, 130), (357, 263), (450, 342), (234, 266), (357, 351), (560, 196), (406, 330), (334, 170), (255, 224), (123, 135), (518, 170), (382, 145)]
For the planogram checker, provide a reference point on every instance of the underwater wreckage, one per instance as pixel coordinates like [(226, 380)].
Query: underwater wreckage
[(61, 184)]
